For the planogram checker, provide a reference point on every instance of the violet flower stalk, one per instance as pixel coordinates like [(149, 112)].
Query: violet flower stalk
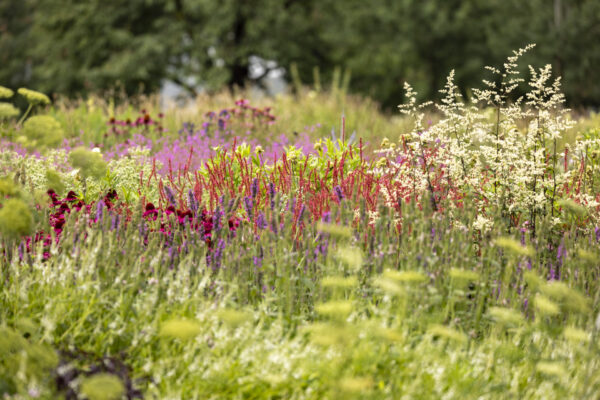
[(193, 202), (170, 196), (254, 188), (272, 194), (248, 205), (338, 192)]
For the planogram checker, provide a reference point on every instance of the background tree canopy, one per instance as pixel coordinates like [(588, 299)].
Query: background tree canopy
[(72, 47)]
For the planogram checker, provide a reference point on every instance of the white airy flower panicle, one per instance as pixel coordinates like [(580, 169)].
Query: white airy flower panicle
[(500, 148)]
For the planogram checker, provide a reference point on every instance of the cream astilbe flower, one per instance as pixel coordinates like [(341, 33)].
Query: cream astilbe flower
[(34, 97)]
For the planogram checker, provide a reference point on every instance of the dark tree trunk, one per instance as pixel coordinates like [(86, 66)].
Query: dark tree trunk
[(239, 68)]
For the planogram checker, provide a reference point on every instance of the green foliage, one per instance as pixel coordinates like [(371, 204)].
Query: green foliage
[(24, 363)]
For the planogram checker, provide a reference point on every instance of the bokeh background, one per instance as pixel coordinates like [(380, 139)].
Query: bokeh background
[(187, 47)]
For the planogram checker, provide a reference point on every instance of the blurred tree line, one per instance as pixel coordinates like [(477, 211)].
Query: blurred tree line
[(73, 47)]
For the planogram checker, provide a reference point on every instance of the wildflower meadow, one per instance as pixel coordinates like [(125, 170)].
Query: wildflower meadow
[(304, 246)]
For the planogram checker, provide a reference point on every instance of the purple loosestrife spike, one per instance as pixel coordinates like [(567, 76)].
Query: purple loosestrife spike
[(597, 232), (254, 188), (292, 204), (248, 204), (170, 195), (338, 192)]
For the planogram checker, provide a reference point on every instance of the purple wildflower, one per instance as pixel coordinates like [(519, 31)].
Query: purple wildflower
[(99, 209), (217, 219), (261, 221), (170, 195), (115, 222), (338, 192), (193, 202), (272, 194), (254, 188), (561, 253), (249, 204), (218, 255)]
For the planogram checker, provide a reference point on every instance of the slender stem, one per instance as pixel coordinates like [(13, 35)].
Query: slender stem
[(25, 114)]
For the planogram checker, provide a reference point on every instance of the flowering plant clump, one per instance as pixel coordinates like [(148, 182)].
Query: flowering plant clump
[(224, 260)]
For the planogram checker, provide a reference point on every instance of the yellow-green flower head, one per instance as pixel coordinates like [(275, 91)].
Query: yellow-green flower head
[(8, 111), (8, 188), (318, 145), (34, 97), (43, 130), (15, 219), (102, 386), (6, 93), (90, 163), (259, 150)]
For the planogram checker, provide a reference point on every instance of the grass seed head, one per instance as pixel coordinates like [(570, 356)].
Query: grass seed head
[(506, 316), (339, 282), (405, 276), (514, 247), (447, 333), (183, 329), (545, 306)]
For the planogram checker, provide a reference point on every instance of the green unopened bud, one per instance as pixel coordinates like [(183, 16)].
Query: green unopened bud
[(15, 219), (6, 93), (34, 97), (90, 164)]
